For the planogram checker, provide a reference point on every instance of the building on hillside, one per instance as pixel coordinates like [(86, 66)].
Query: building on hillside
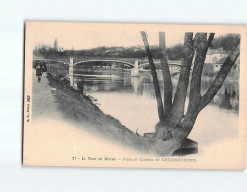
[(214, 55), (217, 65)]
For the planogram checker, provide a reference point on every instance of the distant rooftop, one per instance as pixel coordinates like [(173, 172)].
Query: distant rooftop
[(219, 51), (221, 61)]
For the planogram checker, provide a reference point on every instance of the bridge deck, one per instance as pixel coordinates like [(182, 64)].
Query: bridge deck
[(127, 61)]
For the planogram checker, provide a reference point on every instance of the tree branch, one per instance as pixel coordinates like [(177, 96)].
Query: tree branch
[(177, 110), (201, 45), (220, 78), (166, 75), (155, 79)]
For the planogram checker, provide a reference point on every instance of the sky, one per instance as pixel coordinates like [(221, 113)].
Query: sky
[(77, 39), (91, 39)]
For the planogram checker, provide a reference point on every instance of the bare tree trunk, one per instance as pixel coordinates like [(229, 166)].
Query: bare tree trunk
[(196, 102), (177, 110), (201, 51), (155, 78), (201, 44), (166, 75), (170, 133)]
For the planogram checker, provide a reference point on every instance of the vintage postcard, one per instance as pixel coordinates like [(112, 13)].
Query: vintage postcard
[(135, 95)]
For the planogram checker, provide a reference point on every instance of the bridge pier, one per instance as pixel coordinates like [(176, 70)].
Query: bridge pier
[(71, 71), (113, 65), (135, 70)]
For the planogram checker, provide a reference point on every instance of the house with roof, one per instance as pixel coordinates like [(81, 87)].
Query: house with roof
[(217, 65), (214, 55)]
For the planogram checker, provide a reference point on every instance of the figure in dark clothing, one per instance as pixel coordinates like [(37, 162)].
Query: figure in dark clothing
[(38, 71), (80, 86), (43, 67), (226, 102), (39, 79)]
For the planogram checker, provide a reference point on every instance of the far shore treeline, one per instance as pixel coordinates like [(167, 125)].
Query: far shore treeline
[(226, 42)]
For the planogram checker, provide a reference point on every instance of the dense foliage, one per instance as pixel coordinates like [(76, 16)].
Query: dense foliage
[(227, 42)]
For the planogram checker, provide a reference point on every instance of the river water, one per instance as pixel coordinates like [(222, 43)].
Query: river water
[(132, 101)]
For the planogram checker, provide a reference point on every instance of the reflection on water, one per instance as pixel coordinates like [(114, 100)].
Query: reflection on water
[(228, 95), (132, 99)]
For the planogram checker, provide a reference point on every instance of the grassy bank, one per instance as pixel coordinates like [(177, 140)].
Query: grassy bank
[(82, 109)]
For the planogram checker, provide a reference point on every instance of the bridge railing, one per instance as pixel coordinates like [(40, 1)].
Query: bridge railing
[(129, 61)]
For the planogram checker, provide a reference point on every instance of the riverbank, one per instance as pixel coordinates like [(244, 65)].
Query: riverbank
[(81, 108)]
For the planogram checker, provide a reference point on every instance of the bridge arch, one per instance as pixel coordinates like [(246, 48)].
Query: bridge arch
[(118, 61), (169, 63)]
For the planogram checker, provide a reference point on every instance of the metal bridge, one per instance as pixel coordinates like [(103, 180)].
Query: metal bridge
[(128, 62)]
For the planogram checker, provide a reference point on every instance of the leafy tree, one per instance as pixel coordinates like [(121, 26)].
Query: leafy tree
[(227, 42), (176, 52)]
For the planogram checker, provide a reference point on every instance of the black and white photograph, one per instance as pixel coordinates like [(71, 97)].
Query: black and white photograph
[(132, 95), (123, 96)]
